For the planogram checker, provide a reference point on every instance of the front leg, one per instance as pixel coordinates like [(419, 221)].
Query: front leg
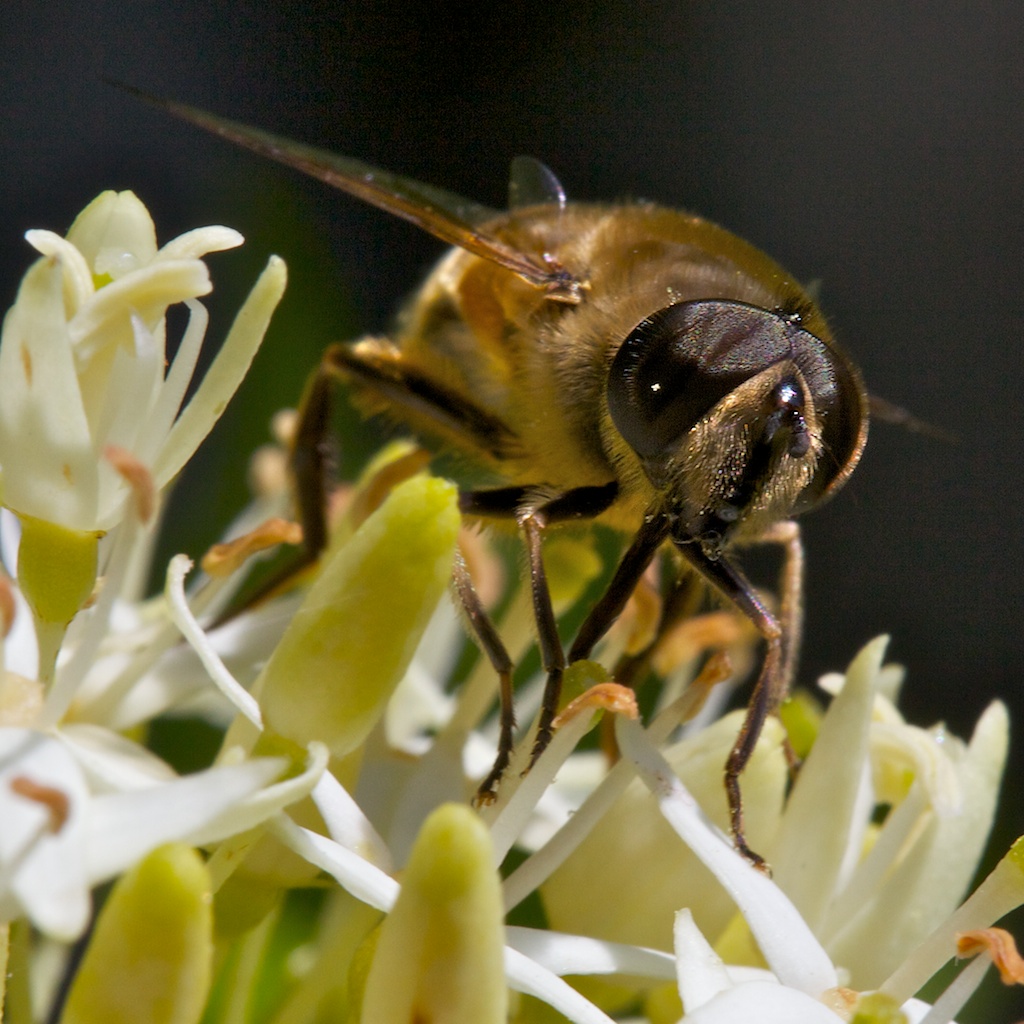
[(771, 683), (533, 517), (552, 655), (490, 644)]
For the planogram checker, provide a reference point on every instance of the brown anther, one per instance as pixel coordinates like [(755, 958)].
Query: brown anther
[(224, 559), (137, 477), (613, 697), (54, 800), (694, 636), (999, 944), (717, 669), (8, 605), (638, 623)]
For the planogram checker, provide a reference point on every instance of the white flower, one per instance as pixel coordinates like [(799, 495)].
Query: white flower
[(85, 395), (879, 890), (81, 806), (91, 423), (91, 426)]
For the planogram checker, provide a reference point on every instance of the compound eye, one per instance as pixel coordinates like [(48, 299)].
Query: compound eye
[(679, 363)]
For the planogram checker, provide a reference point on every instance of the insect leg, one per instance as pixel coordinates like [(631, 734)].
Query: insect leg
[(768, 690), (581, 503), (490, 644), (310, 460), (791, 614), (628, 574), (552, 656), (384, 383), (516, 502), (633, 565)]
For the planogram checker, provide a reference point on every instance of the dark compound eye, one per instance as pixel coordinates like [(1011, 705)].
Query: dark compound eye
[(679, 363)]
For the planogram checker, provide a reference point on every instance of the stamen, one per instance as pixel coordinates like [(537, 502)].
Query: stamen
[(224, 559), (998, 943), (54, 800), (137, 477)]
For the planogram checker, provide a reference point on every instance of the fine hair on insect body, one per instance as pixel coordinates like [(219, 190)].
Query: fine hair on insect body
[(623, 364)]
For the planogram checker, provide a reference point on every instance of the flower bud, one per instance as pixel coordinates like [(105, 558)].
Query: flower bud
[(439, 955), (349, 645), (149, 957)]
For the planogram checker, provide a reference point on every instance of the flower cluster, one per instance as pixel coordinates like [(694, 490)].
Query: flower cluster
[(328, 863), (92, 431)]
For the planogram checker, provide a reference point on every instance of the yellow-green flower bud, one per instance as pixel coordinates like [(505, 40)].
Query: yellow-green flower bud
[(149, 958), (350, 643), (439, 955)]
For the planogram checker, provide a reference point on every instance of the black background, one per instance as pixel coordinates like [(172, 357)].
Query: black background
[(877, 147)]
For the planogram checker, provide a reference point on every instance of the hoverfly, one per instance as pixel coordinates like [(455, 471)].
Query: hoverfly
[(623, 364)]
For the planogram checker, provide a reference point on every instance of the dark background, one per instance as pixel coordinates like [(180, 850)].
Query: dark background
[(878, 147)]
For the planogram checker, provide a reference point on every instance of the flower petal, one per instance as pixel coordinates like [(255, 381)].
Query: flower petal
[(104, 323), (198, 242), (43, 874), (259, 805), (177, 605), (114, 233), (153, 431), (764, 1002), (927, 882), (123, 827), (222, 379), (700, 972), (111, 762), (49, 467), (357, 876), (1001, 892), (529, 977), (582, 955), (825, 797), (633, 848), (347, 824), (788, 945), (78, 277)]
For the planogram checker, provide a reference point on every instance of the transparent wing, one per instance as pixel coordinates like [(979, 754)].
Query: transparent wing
[(446, 216), (532, 183)]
